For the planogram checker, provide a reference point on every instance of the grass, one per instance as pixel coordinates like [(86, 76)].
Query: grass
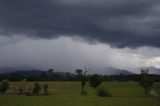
[(68, 94), (157, 89)]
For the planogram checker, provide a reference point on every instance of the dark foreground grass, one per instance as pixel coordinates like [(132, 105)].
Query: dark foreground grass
[(68, 94), (157, 88)]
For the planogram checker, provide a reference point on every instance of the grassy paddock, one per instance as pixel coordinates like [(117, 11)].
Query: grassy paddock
[(68, 94)]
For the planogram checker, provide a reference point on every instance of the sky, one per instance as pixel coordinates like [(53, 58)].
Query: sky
[(71, 34)]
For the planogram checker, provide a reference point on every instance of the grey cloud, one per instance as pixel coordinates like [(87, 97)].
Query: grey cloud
[(121, 23), (65, 54)]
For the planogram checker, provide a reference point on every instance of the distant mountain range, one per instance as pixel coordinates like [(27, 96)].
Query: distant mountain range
[(30, 71), (152, 70), (37, 73), (114, 71), (4, 70)]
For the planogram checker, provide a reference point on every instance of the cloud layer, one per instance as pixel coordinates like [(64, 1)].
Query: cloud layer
[(121, 23), (66, 54)]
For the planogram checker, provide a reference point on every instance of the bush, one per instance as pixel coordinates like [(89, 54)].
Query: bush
[(103, 93), (4, 86), (84, 92), (37, 88)]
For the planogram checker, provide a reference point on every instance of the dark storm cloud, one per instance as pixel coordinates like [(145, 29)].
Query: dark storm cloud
[(121, 23)]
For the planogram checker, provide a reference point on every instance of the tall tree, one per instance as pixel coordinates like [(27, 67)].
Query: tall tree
[(82, 77)]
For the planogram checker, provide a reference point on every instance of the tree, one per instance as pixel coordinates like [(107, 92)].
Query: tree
[(145, 81), (79, 71), (95, 80), (51, 71), (83, 83), (45, 89), (50, 74), (83, 79), (15, 77), (37, 88), (4, 86)]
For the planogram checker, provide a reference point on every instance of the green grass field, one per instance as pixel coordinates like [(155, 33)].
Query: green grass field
[(68, 94)]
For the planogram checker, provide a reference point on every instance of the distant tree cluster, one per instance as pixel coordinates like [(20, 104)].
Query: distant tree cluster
[(4, 86), (50, 75)]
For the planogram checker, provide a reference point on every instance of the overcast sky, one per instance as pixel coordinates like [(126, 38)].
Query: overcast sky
[(69, 34)]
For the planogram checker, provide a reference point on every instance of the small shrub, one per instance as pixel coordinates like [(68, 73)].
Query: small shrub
[(84, 92), (4, 86), (37, 88), (103, 93)]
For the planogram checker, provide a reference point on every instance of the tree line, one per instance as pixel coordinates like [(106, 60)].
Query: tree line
[(50, 75)]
